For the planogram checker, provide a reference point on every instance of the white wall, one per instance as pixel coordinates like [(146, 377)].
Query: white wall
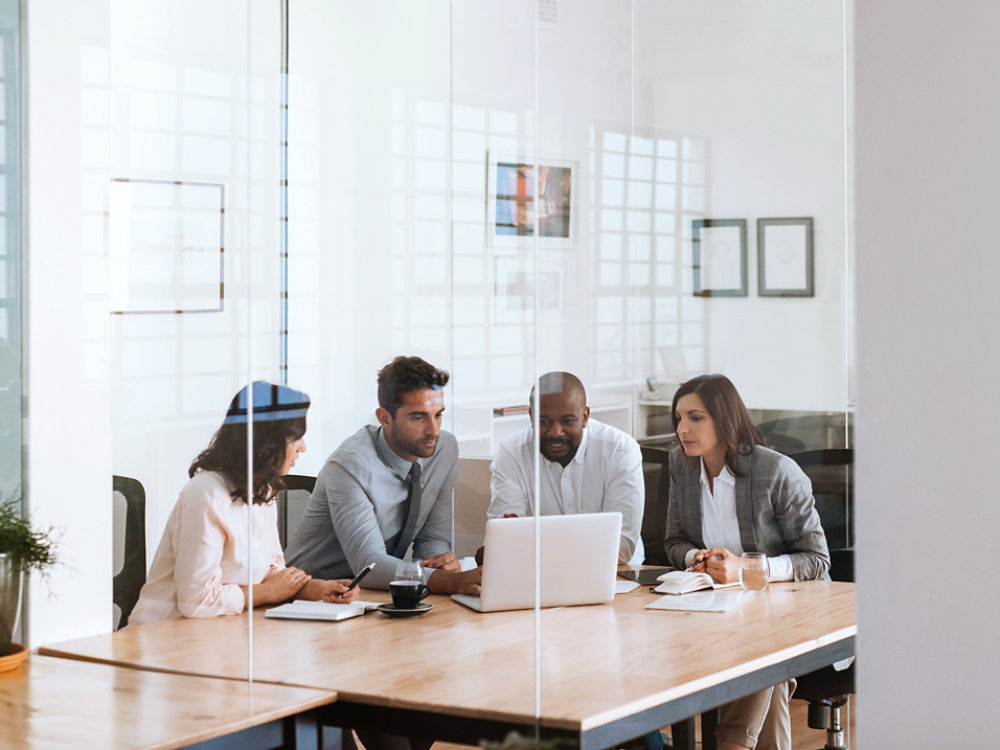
[(376, 116), (763, 84), (368, 231), (927, 161), (68, 472), (194, 94)]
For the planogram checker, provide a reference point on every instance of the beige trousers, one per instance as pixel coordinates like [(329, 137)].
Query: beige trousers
[(759, 720)]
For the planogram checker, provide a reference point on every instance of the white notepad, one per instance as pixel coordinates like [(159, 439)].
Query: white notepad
[(701, 601), (302, 609)]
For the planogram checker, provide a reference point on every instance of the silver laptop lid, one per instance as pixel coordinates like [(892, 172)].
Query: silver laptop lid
[(578, 561)]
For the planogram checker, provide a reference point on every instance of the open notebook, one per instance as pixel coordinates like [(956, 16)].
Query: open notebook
[(578, 562)]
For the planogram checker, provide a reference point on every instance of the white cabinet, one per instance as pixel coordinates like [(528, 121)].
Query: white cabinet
[(617, 414), (480, 431), (653, 419)]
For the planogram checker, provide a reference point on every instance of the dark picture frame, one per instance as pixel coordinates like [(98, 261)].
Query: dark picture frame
[(719, 255), (785, 263)]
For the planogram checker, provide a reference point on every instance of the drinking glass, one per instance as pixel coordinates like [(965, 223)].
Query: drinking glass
[(754, 571), (409, 571)]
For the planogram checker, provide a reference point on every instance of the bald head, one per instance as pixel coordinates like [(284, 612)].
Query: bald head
[(560, 382)]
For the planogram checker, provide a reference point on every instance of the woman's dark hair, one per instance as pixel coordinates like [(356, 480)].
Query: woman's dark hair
[(723, 403), (279, 418), (227, 454)]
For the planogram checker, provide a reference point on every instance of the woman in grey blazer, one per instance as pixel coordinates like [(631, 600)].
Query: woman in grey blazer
[(729, 494)]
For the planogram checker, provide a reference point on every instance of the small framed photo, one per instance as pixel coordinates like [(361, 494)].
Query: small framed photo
[(785, 257), (720, 257), (512, 216)]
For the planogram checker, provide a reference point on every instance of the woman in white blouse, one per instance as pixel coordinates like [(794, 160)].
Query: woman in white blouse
[(203, 567), (729, 494)]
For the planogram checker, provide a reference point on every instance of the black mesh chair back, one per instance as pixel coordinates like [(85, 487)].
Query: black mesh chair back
[(807, 432), (292, 503), (656, 477), (129, 550), (832, 475)]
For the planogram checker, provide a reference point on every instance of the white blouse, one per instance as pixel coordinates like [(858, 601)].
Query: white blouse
[(720, 527), (203, 556)]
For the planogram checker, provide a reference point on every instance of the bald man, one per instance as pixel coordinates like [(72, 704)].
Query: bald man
[(586, 466)]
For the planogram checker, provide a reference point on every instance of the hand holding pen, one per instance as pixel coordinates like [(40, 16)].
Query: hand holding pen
[(700, 560), (721, 564)]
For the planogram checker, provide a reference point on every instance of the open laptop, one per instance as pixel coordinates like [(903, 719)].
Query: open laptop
[(578, 562)]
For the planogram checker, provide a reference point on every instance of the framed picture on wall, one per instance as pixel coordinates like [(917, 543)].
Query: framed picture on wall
[(785, 257), (166, 244), (719, 254), (526, 200)]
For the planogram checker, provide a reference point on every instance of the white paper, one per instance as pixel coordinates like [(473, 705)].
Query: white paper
[(623, 587), (785, 256), (700, 601), (721, 258)]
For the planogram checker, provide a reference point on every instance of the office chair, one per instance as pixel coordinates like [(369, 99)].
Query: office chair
[(292, 503), (832, 475), (656, 477), (806, 432), (129, 546)]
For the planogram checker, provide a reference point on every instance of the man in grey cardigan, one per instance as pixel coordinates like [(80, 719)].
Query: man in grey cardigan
[(387, 487)]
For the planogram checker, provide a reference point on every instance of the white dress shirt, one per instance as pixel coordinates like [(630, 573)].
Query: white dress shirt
[(720, 527), (604, 475)]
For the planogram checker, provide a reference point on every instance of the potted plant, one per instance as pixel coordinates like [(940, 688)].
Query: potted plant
[(22, 549)]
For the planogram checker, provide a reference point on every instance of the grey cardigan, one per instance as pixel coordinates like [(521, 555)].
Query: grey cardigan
[(774, 507)]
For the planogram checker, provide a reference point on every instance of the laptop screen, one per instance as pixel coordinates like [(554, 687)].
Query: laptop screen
[(577, 555)]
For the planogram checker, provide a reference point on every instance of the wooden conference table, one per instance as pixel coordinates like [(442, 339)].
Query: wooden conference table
[(49, 703), (607, 673)]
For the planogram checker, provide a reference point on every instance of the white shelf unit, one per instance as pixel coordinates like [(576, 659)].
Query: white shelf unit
[(653, 419), (474, 440), (617, 414)]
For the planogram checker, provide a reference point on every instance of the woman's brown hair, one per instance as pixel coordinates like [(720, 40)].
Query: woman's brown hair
[(732, 421), (279, 418)]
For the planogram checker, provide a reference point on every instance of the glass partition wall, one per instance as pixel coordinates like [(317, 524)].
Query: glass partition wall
[(632, 192), (189, 201)]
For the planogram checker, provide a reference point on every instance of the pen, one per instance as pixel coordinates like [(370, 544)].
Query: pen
[(690, 568), (357, 579)]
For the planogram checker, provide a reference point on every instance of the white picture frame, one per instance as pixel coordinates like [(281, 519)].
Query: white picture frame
[(512, 216)]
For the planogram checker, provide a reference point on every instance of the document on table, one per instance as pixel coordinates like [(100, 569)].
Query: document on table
[(701, 601), (302, 609), (623, 587)]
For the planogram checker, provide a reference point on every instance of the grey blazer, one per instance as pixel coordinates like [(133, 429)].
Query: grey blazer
[(774, 507)]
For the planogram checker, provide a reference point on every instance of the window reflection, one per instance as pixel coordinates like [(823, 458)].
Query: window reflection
[(638, 256)]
